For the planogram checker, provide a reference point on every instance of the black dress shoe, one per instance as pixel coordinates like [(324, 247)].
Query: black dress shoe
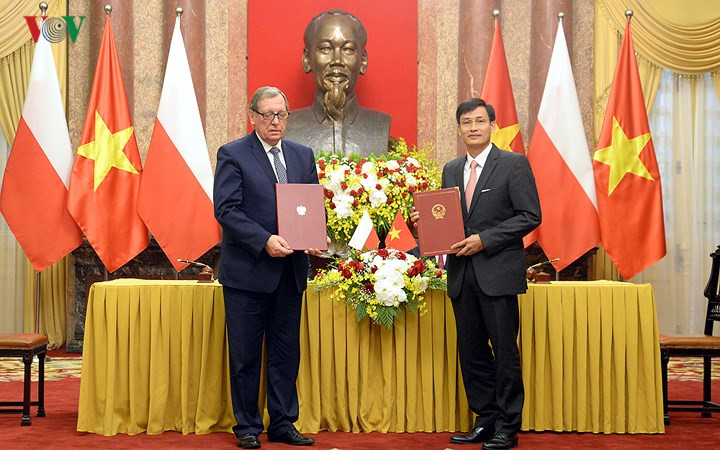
[(292, 437), (476, 435), (248, 440), (501, 440)]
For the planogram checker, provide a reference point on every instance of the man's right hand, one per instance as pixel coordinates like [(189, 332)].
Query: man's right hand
[(414, 217), (277, 247)]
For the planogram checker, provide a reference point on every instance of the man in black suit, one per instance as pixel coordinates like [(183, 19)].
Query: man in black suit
[(500, 206), (263, 279)]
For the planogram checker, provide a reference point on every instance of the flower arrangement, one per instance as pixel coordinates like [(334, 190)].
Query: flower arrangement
[(380, 184), (380, 283)]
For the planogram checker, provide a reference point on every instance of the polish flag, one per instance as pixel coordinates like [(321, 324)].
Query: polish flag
[(365, 237), (560, 161), (34, 192), (175, 199)]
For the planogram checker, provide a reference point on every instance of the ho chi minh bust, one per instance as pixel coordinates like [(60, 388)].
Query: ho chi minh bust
[(335, 52)]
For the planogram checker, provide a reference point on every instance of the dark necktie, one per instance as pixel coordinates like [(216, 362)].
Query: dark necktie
[(279, 168)]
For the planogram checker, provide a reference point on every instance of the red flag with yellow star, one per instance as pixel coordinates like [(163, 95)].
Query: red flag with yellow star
[(106, 173), (399, 237), (497, 91), (627, 178)]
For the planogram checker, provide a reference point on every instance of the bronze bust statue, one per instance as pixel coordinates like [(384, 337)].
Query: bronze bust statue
[(335, 52)]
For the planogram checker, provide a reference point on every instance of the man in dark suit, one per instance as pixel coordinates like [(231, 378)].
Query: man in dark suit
[(500, 206), (263, 279)]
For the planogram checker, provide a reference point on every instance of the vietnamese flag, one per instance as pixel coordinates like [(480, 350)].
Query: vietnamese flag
[(626, 173), (176, 188), (560, 160), (34, 192), (497, 91), (399, 237), (106, 174)]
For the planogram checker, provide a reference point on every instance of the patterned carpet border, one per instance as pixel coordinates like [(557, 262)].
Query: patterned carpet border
[(11, 369)]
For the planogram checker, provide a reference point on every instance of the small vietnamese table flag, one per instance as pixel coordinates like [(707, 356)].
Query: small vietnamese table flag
[(176, 188), (497, 91), (399, 237), (106, 173), (365, 237), (34, 192), (627, 178)]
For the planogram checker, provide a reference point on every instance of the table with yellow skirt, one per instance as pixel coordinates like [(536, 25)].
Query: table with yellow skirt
[(155, 359)]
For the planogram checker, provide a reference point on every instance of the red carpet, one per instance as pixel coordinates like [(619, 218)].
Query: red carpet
[(57, 430)]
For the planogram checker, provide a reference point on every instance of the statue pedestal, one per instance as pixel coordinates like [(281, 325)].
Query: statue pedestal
[(85, 268)]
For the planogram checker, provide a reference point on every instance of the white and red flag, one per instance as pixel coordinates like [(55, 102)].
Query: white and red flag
[(365, 237), (560, 160), (34, 192), (175, 199)]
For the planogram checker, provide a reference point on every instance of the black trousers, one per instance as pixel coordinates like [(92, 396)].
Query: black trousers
[(492, 375), (276, 316)]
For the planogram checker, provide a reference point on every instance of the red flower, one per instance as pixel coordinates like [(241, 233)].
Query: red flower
[(389, 201), (332, 205), (404, 194), (401, 255), (373, 270), (383, 253), (412, 189), (355, 203), (321, 176), (343, 186), (353, 193), (347, 273), (369, 288), (438, 273), (347, 172), (360, 265), (378, 187), (358, 170), (360, 191), (329, 194)]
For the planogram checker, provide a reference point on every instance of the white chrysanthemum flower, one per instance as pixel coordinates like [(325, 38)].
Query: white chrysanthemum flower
[(369, 183), (410, 180), (421, 283), (392, 164), (368, 167), (377, 198), (412, 161)]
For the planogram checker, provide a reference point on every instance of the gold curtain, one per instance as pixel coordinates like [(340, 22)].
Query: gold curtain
[(16, 53), (678, 35)]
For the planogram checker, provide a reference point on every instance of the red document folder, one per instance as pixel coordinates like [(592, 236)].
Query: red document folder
[(441, 222), (301, 215)]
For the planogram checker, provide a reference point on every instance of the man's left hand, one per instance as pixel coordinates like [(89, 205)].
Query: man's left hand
[(316, 252), (469, 246)]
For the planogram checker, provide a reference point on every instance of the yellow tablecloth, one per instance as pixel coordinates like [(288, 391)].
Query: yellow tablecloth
[(155, 359)]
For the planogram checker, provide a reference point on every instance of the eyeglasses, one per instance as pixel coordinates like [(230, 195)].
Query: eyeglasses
[(470, 122), (269, 116)]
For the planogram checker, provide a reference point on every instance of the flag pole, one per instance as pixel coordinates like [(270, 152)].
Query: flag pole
[(43, 10)]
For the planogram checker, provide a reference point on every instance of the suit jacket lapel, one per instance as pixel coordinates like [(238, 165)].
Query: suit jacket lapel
[(459, 181), (259, 153), (487, 170), (291, 163)]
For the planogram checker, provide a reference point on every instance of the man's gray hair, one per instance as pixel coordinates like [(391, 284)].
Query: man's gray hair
[(267, 92)]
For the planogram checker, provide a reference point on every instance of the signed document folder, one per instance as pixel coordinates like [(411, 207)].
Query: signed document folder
[(301, 215), (441, 222)]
